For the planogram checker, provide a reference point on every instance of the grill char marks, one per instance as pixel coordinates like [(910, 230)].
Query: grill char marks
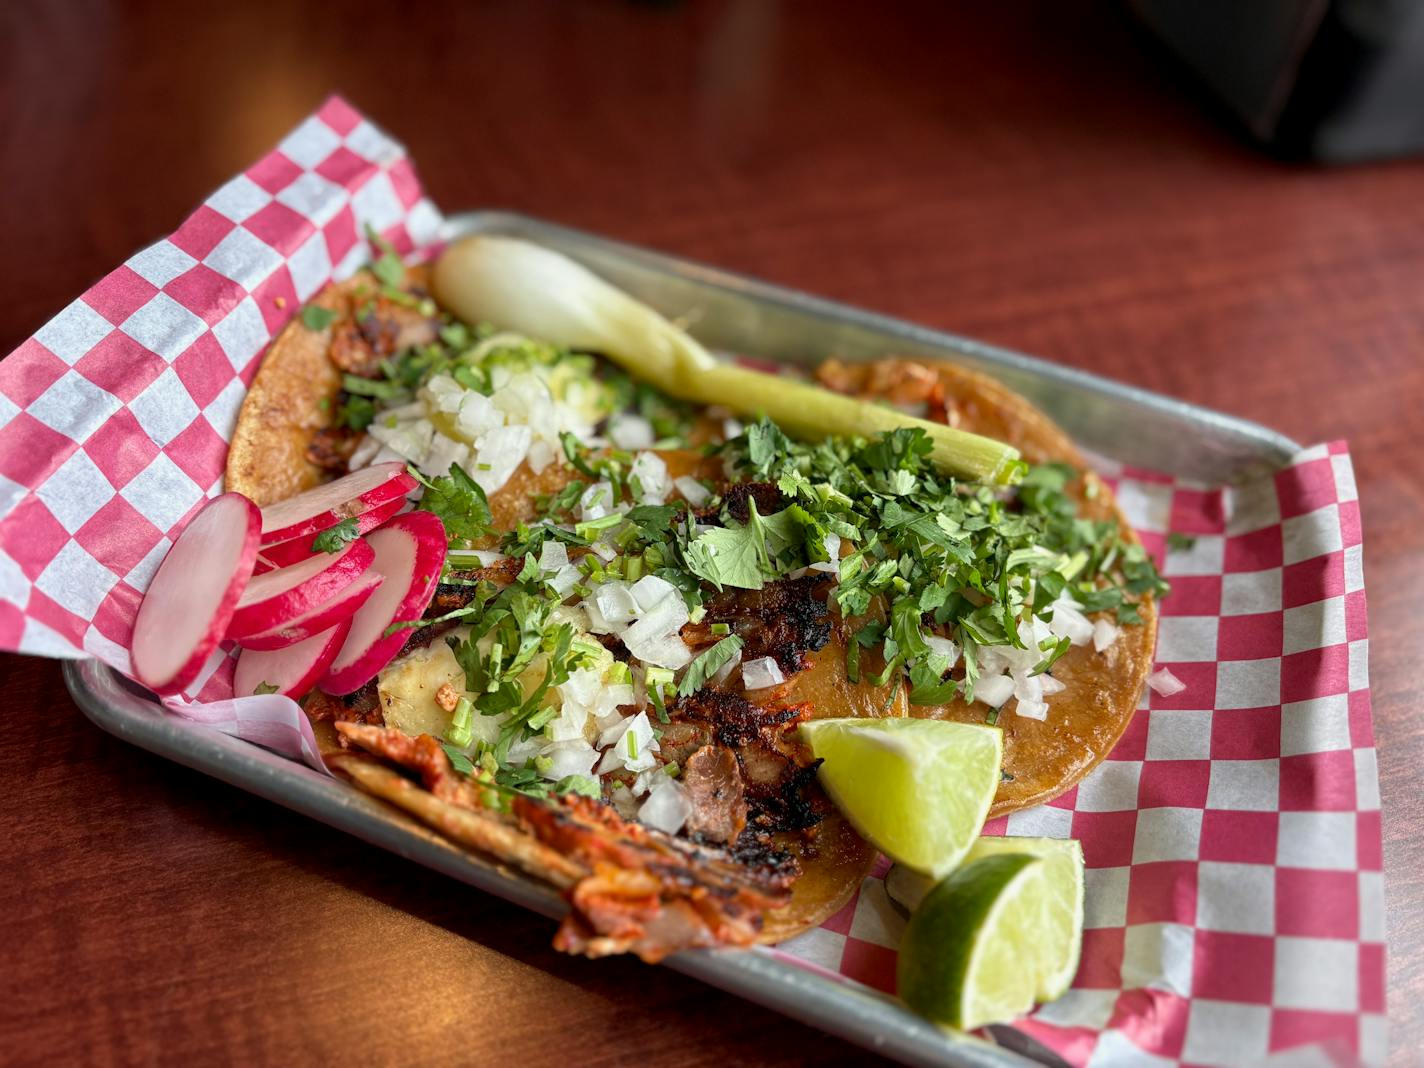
[(734, 720), (768, 499), (785, 620)]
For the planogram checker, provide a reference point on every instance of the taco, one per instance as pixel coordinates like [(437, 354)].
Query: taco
[(643, 597)]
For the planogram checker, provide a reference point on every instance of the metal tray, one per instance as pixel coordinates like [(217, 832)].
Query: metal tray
[(734, 314)]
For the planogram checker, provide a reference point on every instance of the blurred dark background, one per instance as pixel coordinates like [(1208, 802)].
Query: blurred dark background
[(1054, 177)]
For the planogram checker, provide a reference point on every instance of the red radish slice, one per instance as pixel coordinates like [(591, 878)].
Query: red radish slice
[(293, 670), (410, 550), (194, 593), (324, 616), (325, 506), (277, 597), (283, 553)]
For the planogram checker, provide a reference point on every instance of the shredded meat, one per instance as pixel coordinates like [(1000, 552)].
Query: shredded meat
[(648, 893), (421, 754), (361, 342), (734, 720), (331, 448), (768, 499), (714, 787), (785, 620), (363, 707)]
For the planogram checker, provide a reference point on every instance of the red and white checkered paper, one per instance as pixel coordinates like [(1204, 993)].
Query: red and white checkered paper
[(1232, 839)]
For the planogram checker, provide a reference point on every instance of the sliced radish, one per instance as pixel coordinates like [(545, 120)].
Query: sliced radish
[(323, 617), (194, 593), (283, 553), (274, 598), (410, 550), (325, 506), (293, 670)]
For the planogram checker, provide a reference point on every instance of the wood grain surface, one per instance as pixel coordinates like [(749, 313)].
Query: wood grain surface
[(1027, 173)]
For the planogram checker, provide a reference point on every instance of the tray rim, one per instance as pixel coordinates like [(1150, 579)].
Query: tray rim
[(847, 1010)]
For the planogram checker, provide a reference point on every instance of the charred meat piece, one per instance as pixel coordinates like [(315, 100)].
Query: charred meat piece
[(734, 720), (737, 496), (378, 329), (361, 707), (786, 620), (331, 448), (714, 785), (788, 803), (631, 889), (649, 894), (422, 755)]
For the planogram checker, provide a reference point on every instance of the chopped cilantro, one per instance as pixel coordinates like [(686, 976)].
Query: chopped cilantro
[(266, 688), (1180, 542), (707, 663), (459, 502), (334, 539), (315, 317), (458, 760)]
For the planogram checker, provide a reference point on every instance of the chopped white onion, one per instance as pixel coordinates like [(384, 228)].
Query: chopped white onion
[(1165, 683), (667, 807), (652, 478), (944, 647), (650, 591), (497, 453), (410, 440), (1031, 709), (553, 556), (1068, 622), (994, 690), (476, 414), (693, 492), (1104, 634), (630, 432), (760, 673), (732, 428), (631, 745), (615, 603), (442, 454), (1051, 685), (565, 579), (1028, 688), (366, 452), (595, 501), (541, 455), (624, 803), (522, 750), (725, 671)]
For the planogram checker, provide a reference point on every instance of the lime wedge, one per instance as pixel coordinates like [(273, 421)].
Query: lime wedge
[(1061, 899), (969, 954), (919, 789)]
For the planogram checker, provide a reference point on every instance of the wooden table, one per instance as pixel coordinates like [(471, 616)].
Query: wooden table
[(1032, 177)]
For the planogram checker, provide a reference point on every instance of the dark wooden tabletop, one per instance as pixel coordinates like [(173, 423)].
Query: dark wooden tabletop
[(1034, 177)]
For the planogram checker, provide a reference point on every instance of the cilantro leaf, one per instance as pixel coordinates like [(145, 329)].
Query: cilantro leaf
[(387, 268), (315, 317), (266, 687), (458, 760), (459, 502), (707, 663), (728, 556), (334, 539), (583, 785), (652, 520)]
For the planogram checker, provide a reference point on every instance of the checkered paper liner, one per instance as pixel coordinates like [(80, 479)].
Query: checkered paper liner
[(1232, 839)]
